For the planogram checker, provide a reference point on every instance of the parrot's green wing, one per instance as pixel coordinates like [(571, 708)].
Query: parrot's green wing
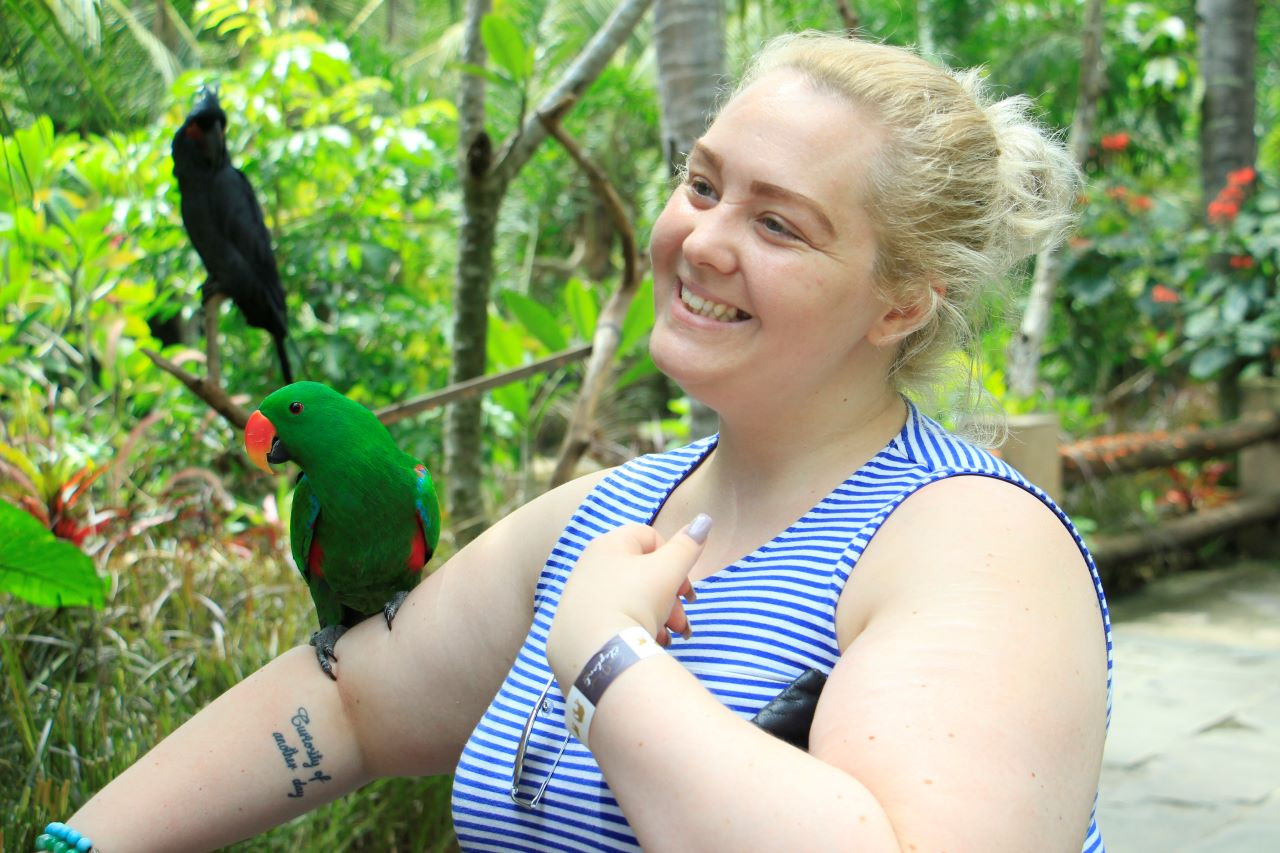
[(302, 529), (428, 506), (302, 523)]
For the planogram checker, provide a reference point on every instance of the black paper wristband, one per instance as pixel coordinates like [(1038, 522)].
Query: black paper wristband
[(626, 648)]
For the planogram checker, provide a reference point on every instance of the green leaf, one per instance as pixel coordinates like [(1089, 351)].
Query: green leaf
[(635, 329), (487, 73), (583, 307), (502, 40), (39, 568), (1209, 361), (1202, 323), (1235, 306), (642, 368), (536, 319)]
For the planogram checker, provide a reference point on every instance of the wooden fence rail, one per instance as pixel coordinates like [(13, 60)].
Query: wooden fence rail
[(1126, 453), (1032, 448)]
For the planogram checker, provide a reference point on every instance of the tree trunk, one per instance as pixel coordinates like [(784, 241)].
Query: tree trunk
[(1024, 350), (485, 177), (688, 38), (1228, 34), (481, 197)]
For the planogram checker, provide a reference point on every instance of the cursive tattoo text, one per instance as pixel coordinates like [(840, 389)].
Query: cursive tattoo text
[(308, 748)]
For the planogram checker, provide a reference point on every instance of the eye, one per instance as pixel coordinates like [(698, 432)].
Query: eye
[(776, 227), (700, 187), (295, 408)]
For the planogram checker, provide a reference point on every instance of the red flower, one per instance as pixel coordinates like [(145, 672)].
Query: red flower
[(1160, 293), (1117, 193), (1115, 142), (1222, 212), (1231, 193), (1140, 202), (1241, 262), (1241, 177)]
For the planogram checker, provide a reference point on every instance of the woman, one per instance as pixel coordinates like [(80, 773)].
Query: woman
[(837, 220)]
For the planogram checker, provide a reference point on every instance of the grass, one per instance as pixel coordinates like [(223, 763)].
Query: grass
[(86, 693)]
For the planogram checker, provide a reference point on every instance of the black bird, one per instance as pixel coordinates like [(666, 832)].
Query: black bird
[(224, 221)]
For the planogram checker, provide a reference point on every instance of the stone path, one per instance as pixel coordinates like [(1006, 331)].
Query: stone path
[(1193, 756)]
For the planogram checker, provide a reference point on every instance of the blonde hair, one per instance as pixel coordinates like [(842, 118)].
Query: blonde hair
[(962, 189)]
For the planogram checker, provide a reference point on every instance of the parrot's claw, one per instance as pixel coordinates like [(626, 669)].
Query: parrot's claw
[(393, 606), (324, 640)]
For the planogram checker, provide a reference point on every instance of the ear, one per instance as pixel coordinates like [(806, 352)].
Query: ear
[(899, 321)]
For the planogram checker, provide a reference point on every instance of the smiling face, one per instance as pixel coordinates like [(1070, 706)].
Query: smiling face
[(763, 257)]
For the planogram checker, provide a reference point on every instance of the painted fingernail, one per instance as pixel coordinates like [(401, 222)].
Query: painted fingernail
[(699, 528)]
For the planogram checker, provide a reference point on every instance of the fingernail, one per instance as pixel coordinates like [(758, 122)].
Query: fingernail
[(687, 632), (699, 528)]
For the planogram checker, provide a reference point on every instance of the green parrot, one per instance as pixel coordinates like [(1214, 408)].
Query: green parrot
[(365, 516)]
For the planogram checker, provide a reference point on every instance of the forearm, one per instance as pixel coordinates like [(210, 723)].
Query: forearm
[(274, 746), (691, 775)]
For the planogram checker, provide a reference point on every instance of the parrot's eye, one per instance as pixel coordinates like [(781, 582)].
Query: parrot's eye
[(295, 408)]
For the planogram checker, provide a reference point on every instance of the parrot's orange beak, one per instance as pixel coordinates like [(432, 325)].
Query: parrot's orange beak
[(258, 435)]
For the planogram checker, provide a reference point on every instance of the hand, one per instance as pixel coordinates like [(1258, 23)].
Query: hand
[(626, 577)]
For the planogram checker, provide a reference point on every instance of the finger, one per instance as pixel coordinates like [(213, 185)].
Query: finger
[(699, 528), (628, 540), (686, 591), (690, 539), (678, 621)]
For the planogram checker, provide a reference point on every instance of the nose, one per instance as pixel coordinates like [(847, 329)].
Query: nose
[(711, 243)]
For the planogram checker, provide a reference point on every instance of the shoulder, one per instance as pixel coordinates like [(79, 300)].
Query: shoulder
[(969, 531), (973, 658)]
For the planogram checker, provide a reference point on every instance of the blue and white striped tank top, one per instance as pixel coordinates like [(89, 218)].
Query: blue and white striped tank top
[(761, 622)]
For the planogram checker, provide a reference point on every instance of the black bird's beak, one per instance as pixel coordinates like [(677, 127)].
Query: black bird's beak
[(277, 453)]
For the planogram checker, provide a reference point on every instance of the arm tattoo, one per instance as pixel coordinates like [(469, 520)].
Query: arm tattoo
[(303, 759)]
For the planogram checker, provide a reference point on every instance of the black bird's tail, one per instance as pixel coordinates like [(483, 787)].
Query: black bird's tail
[(284, 360)]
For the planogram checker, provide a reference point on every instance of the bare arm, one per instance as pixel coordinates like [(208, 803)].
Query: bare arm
[(287, 739), (966, 713)]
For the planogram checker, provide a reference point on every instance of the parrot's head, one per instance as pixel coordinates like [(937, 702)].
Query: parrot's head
[(309, 423), (201, 142)]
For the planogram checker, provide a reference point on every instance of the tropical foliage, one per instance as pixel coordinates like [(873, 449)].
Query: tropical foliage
[(164, 549)]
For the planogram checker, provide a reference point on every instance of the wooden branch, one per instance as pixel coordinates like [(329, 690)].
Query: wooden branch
[(1186, 530), (214, 395), (1127, 453), (608, 331), (475, 387), (585, 69), (849, 18)]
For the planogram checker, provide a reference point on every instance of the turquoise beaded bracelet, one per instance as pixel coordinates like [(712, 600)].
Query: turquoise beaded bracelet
[(63, 839)]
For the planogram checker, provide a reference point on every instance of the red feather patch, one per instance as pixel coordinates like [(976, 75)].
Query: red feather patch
[(418, 549), (315, 561)]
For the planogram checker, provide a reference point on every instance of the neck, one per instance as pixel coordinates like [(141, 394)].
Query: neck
[(797, 451), (767, 471)]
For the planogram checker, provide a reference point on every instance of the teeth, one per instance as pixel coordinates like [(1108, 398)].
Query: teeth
[(713, 310)]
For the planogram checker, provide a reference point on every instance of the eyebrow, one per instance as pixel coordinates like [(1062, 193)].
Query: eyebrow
[(768, 190)]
